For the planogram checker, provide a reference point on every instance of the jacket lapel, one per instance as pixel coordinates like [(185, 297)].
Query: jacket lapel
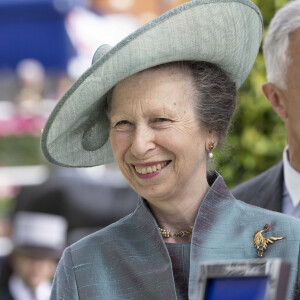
[(153, 249), (217, 236)]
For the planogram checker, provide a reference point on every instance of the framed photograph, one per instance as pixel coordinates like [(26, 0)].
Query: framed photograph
[(248, 280)]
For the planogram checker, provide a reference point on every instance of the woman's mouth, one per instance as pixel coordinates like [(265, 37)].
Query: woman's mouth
[(151, 169)]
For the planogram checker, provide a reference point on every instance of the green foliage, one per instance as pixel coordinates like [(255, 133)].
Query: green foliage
[(6, 207), (21, 150), (257, 137)]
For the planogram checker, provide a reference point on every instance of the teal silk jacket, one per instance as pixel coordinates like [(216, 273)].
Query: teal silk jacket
[(129, 259)]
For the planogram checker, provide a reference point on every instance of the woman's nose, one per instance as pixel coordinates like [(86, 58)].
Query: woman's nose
[(143, 141)]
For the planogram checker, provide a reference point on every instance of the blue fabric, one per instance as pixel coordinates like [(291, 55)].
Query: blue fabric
[(35, 29), (246, 288), (129, 259)]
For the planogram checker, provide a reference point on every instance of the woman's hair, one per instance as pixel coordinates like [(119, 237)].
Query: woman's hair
[(215, 98), (276, 43)]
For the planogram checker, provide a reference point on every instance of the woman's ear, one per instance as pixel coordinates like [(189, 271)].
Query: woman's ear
[(276, 99)]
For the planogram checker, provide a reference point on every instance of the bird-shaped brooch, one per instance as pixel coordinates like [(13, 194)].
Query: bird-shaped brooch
[(261, 243)]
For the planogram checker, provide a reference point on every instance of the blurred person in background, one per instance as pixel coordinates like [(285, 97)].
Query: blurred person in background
[(278, 188), (158, 103), (31, 76), (29, 110), (89, 199), (38, 241), (5, 240)]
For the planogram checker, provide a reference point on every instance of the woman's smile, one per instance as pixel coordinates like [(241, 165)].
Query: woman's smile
[(150, 170)]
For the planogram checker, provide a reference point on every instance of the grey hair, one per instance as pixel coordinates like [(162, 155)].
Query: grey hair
[(215, 98), (276, 43)]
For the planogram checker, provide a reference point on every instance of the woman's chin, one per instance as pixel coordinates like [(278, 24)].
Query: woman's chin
[(155, 194)]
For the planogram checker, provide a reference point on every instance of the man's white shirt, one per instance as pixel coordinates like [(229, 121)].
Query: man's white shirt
[(291, 188), (20, 291)]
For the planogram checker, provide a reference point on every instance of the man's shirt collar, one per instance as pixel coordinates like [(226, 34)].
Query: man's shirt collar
[(291, 178)]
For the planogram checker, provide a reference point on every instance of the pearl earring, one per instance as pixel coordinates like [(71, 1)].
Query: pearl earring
[(211, 146)]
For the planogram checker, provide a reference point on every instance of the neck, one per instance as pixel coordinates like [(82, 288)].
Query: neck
[(293, 156), (179, 214)]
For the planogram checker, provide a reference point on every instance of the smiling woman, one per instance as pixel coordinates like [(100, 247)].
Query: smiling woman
[(161, 130), (159, 103), (159, 139)]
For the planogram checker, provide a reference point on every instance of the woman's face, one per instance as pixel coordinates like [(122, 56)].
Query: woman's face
[(33, 270), (155, 135)]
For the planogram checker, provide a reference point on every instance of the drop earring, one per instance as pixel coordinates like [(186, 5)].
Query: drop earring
[(211, 146)]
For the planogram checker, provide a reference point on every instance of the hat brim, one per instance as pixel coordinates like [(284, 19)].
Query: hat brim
[(39, 252), (224, 32)]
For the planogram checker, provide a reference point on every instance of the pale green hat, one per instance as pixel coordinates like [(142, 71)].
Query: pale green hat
[(224, 32)]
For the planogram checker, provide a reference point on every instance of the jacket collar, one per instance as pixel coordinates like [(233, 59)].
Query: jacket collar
[(210, 237)]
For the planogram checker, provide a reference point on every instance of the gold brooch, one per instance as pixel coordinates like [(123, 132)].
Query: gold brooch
[(261, 243)]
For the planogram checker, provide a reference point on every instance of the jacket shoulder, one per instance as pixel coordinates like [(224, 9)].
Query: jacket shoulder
[(262, 187), (115, 229)]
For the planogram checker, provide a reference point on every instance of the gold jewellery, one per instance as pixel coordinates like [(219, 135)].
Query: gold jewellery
[(167, 233), (211, 147), (261, 243)]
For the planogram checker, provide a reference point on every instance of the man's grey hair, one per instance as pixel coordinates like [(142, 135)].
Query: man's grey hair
[(276, 43)]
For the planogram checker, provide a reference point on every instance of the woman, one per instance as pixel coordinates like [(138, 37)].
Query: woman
[(163, 99)]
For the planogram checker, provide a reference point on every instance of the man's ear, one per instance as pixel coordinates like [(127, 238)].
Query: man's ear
[(276, 99)]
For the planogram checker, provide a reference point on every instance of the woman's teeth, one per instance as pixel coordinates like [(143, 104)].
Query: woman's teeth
[(150, 169)]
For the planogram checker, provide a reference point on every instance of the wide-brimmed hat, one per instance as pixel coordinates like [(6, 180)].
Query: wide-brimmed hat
[(223, 32)]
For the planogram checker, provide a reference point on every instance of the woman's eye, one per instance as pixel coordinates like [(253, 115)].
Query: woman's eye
[(160, 120), (121, 125), (123, 122)]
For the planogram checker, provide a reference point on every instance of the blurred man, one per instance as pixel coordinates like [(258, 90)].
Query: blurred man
[(278, 188), (39, 240)]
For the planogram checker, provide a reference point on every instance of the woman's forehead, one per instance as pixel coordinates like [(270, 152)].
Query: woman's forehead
[(165, 83), (170, 71)]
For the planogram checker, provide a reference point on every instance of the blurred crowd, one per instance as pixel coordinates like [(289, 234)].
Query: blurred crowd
[(30, 103), (47, 217), (41, 216)]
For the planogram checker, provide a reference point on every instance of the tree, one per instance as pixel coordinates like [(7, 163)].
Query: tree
[(257, 137)]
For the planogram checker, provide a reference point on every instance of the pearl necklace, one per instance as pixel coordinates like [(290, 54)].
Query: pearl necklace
[(167, 233)]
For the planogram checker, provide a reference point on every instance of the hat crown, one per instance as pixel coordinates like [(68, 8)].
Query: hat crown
[(36, 230)]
